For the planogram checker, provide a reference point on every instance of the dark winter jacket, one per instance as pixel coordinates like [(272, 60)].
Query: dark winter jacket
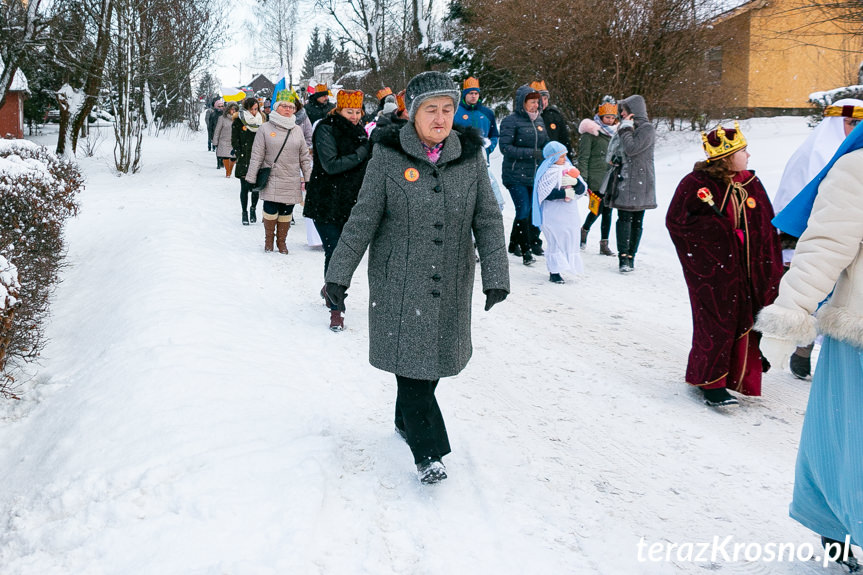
[(521, 141), (318, 111), (212, 117), (479, 117), (420, 219), (637, 187), (592, 149), (340, 153), (242, 139), (555, 123)]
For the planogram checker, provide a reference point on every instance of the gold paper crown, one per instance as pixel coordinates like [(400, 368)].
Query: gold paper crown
[(350, 99), (608, 109), (383, 93), (400, 100), (844, 111), (470, 84), (539, 86), (321, 89), (726, 146), (287, 96)]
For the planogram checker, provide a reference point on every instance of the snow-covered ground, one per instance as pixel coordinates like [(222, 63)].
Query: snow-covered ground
[(194, 415)]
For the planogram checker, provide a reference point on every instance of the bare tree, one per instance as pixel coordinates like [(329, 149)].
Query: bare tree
[(275, 29), (22, 27)]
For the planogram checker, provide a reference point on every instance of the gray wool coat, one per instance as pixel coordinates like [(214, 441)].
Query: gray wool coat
[(222, 137), (635, 145), (418, 220)]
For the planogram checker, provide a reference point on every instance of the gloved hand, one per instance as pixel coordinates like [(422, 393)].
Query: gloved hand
[(493, 296), (486, 142), (628, 123), (537, 155), (777, 350), (337, 294)]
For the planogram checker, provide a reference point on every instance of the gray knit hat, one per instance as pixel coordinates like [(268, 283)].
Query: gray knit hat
[(429, 85)]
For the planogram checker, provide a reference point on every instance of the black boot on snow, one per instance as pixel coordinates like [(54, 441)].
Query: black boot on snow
[(431, 471), (800, 366), (556, 278), (719, 397), (245, 218), (515, 249), (836, 551), (528, 259)]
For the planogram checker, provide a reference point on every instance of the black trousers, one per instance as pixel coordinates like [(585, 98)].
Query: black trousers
[(330, 234), (419, 416), (604, 225), (629, 228), (245, 188)]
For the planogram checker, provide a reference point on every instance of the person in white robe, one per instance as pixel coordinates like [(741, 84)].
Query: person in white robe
[(556, 187)]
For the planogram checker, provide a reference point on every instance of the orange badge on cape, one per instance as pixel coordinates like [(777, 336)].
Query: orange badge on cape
[(465, 117), (553, 126), (412, 174), (272, 134), (750, 203)]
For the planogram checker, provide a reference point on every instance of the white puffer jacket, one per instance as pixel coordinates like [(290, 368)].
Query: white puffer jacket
[(829, 254)]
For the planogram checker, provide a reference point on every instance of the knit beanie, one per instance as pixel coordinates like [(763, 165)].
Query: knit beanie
[(427, 85)]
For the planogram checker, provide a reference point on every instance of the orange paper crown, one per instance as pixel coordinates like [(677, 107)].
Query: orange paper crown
[(470, 84), (350, 99), (400, 100), (383, 93), (717, 144), (608, 109), (539, 86), (321, 89)]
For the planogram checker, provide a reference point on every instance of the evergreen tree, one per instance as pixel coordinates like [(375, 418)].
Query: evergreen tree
[(328, 50), (313, 55), (344, 63)]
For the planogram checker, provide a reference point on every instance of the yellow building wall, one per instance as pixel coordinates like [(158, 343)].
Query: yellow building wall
[(795, 50)]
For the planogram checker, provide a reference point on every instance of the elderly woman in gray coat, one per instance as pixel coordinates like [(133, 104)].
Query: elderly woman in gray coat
[(633, 145), (281, 146), (222, 138), (426, 190)]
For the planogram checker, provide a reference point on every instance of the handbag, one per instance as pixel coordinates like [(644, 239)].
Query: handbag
[(610, 187), (264, 173)]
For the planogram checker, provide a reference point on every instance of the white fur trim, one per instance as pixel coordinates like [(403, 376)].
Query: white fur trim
[(839, 322), (588, 126), (782, 323)]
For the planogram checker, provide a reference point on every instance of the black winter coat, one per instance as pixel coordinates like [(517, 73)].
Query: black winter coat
[(242, 139), (212, 119), (341, 152), (521, 142), (555, 123), (317, 111)]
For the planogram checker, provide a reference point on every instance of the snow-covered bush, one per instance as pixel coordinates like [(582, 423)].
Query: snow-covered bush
[(37, 196)]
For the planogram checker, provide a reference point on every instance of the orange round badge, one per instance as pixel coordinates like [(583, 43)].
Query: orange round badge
[(465, 117), (750, 202), (539, 128), (412, 174), (553, 126), (272, 134)]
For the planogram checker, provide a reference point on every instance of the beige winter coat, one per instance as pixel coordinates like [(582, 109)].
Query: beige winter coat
[(222, 137), (829, 254), (293, 168)]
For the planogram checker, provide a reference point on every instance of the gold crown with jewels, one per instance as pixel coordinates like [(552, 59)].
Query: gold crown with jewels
[(718, 144)]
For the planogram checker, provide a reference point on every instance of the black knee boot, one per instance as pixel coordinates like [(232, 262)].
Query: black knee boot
[(624, 237)]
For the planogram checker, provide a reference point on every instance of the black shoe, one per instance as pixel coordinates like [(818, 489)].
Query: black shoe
[(719, 397), (836, 551), (252, 217), (245, 218), (515, 249), (431, 471), (800, 366), (624, 264), (555, 278), (537, 250), (528, 259)]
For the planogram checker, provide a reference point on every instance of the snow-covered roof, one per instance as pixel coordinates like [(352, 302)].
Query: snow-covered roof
[(19, 81)]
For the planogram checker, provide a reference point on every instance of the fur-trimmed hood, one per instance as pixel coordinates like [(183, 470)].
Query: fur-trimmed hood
[(469, 140)]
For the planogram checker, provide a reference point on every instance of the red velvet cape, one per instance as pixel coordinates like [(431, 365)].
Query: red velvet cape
[(729, 280)]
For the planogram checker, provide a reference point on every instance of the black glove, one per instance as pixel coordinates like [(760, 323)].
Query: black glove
[(337, 294), (493, 296), (537, 155)]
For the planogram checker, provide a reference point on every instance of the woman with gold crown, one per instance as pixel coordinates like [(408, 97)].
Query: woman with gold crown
[(719, 221)]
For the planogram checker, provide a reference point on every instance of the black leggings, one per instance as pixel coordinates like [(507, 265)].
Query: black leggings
[(604, 225), (245, 188), (277, 209), (330, 234), (418, 415)]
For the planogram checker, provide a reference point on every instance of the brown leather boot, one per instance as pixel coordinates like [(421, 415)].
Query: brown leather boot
[(269, 233), (604, 249), (282, 234), (228, 168)]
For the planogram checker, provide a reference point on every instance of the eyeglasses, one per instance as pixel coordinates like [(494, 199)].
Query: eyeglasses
[(853, 122)]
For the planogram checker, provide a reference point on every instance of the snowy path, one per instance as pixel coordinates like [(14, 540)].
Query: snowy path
[(195, 416)]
